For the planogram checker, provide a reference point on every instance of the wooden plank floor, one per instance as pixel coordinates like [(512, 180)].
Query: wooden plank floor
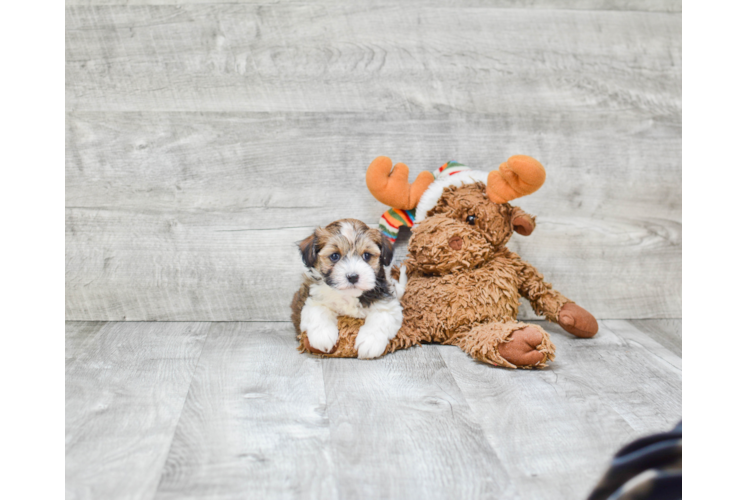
[(232, 410)]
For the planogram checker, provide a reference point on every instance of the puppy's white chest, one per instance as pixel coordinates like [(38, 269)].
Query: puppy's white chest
[(341, 304)]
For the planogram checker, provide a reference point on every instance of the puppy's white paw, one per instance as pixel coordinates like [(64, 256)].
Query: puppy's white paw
[(371, 342), (323, 337)]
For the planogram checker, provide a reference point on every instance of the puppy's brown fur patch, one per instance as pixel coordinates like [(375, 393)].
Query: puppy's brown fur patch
[(347, 237)]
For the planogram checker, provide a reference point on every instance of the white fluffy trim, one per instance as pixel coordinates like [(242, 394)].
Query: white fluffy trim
[(434, 192)]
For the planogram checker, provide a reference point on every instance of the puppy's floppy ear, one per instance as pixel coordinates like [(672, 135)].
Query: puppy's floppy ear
[(522, 222), (387, 248), (308, 249)]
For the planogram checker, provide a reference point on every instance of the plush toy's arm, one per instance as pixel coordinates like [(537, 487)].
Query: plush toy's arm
[(544, 299), (550, 303)]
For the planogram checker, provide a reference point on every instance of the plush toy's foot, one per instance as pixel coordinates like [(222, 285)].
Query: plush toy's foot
[(577, 321), (510, 345), (521, 349)]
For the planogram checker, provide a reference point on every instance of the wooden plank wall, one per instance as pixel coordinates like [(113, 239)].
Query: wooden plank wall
[(204, 139)]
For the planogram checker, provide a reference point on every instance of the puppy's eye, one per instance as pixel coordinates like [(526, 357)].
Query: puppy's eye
[(471, 220), (366, 256), (335, 257)]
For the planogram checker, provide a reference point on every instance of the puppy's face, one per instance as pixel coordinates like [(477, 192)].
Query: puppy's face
[(348, 255)]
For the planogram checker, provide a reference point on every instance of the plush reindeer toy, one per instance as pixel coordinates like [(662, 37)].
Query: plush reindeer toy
[(463, 284)]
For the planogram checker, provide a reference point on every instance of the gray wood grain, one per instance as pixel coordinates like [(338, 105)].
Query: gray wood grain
[(179, 215), (203, 140), (125, 385), (261, 420), (649, 340), (402, 429), (557, 429), (666, 332), (142, 266), (78, 337), (348, 57), (305, 168), (255, 423), (634, 5)]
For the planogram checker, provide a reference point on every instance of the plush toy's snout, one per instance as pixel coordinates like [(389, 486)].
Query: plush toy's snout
[(441, 244), (455, 243)]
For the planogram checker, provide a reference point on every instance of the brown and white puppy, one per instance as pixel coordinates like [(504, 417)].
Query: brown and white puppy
[(348, 274)]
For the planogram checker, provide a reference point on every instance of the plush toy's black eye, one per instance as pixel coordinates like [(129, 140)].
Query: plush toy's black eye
[(366, 256), (335, 257), (471, 220)]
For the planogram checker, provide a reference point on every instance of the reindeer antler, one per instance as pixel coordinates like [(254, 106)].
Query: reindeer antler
[(519, 176), (392, 188)]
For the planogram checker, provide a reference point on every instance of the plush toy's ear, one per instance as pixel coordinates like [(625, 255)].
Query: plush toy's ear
[(523, 223), (308, 249), (387, 250)]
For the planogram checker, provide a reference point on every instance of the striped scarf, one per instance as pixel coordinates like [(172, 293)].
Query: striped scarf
[(393, 219)]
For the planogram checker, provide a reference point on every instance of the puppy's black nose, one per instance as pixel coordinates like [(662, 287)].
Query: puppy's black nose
[(352, 278)]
